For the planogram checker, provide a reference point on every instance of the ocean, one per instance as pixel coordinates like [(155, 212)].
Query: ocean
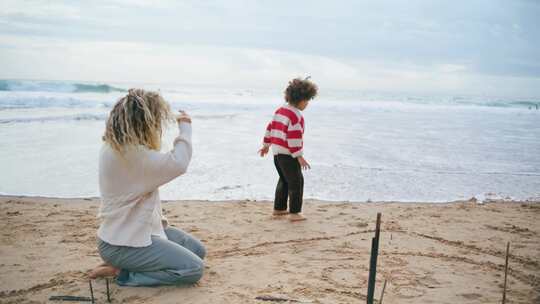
[(362, 146)]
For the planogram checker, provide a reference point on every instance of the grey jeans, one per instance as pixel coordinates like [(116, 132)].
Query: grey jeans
[(177, 260)]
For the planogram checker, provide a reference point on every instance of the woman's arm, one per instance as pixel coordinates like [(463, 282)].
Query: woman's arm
[(160, 168)]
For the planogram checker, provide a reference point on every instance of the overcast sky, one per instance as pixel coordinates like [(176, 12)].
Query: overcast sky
[(480, 47)]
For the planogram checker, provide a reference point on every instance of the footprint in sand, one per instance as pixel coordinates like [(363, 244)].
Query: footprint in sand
[(345, 276), (359, 225), (409, 292), (471, 296)]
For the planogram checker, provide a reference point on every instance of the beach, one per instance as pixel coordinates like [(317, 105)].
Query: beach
[(429, 252), (422, 114)]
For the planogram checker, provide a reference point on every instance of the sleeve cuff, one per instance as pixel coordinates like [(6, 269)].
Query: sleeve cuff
[(297, 154), (185, 130), (164, 221)]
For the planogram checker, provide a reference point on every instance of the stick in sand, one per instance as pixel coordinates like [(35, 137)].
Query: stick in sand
[(505, 272), (373, 261), (91, 291), (108, 293)]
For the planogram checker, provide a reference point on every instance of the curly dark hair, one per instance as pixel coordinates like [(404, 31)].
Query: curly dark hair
[(299, 90)]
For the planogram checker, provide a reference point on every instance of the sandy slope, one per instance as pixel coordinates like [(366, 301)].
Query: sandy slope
[(430, 253)]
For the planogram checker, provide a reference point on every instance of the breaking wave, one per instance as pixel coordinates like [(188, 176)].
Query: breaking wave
[(76, 117), (56, 86)]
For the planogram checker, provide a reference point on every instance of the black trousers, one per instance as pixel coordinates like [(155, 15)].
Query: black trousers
[(290, 184)]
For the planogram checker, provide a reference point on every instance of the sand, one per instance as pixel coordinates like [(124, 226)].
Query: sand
[(429, 253)]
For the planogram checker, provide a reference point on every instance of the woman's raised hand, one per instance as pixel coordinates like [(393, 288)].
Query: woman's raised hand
[(183, 117)]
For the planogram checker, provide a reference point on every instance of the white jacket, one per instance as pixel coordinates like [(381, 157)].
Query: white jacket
[(129, 184)]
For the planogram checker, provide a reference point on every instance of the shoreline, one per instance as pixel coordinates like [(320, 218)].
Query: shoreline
[(429, 252), (470, 200)]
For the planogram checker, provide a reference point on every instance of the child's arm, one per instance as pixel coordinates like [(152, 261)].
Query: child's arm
[(303, 163), (266, 141), (295, 143), (294, 140)]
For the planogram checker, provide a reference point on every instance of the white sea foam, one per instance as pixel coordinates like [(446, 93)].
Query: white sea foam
[(361, 146)]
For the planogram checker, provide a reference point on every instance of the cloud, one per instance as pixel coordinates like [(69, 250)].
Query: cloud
[(385, 45), (38, 9), (451, 68), (229, 66), (140, 62)]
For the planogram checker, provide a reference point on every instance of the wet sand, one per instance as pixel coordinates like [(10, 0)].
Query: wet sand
[(429, 253)]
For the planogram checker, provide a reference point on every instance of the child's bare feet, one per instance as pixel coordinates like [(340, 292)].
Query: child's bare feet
[(103, 271), (280, 212), (296, 217)]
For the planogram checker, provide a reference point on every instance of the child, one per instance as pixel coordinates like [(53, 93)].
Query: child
[(284, 133)]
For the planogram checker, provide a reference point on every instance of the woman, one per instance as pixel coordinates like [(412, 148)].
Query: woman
[(134, 240)]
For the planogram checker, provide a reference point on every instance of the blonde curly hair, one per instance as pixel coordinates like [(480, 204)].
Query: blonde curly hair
[(137, 119)]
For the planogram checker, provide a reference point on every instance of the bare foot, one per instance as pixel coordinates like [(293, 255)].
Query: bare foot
[(103, 271), (296, 217), (280, 212)]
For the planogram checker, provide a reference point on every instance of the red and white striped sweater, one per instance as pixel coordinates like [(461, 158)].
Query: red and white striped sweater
[(284, 133)]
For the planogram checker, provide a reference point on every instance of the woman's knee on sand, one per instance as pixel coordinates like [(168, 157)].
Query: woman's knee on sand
[(185, 266), (179, 264), (186, 240)]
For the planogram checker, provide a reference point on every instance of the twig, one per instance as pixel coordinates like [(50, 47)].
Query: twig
[(382, 292), (274, 299), (505, 272), (70, 298)]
